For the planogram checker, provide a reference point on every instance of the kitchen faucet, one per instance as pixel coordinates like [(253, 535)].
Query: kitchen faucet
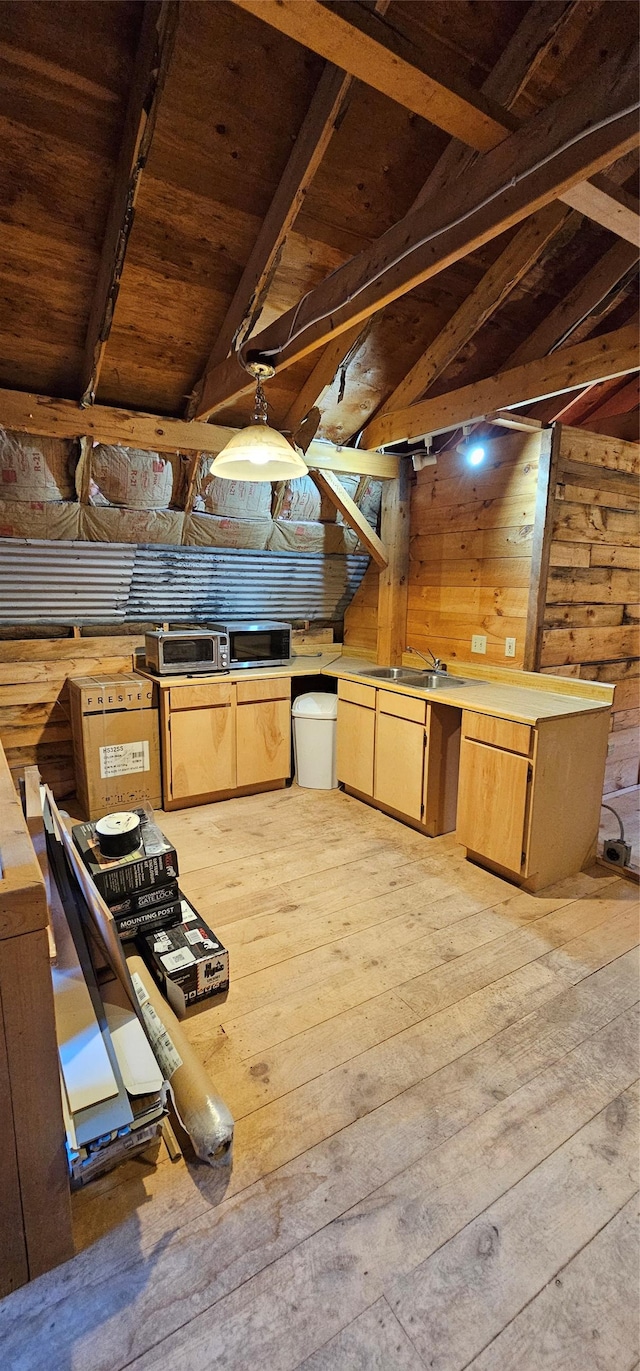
[(434, 665)]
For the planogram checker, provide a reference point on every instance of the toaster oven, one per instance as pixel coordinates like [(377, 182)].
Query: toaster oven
[(259, 643), (181, 652)]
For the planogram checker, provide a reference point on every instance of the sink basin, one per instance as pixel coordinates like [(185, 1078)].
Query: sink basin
[(420, 680), (394, 673)]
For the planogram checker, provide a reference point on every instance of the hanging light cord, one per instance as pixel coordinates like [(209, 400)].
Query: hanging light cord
[(295, 332)]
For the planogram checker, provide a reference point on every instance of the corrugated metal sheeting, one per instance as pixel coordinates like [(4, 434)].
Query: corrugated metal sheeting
[(64, 583), (91, 583)]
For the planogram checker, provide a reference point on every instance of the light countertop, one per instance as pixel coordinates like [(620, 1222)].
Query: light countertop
[(527, 704)]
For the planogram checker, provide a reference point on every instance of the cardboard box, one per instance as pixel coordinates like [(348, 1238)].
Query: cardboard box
[(153, 864), (188, 961), (147, 900), (116, 746), (146, 920)]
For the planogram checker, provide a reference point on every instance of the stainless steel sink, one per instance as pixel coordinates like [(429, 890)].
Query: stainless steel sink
[(393, 673), (419, 680)]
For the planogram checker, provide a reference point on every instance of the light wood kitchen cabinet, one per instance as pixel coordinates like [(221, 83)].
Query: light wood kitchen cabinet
[(493, 787), (263, 731), (399, 753), (355, 745), (202, 750), (222, 738)]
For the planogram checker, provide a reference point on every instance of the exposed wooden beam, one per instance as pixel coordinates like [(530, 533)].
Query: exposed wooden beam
[(42, 415), (527, 47), (491, 291), (332, 487), (613, 354), (600, 199), (533, 39), (307, 153), (322, 375), (624, 399), (455, 107), (157, 37), (550, 442), (579, 304), (393, 582), (496, 193)]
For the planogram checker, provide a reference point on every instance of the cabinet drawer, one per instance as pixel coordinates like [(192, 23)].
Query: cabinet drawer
[(196, 696), (402, 706), (250, 692), (357, 694), (498, 732)]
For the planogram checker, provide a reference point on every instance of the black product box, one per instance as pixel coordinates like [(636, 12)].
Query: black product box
[(153, 864), (188, 961), (146, 900), (146, 920)]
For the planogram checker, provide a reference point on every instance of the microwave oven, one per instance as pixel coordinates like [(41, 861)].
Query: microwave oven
[(258, 643), (183, 652)]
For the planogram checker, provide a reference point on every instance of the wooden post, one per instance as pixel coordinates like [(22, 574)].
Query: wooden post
[(394, 579), (542, 534)]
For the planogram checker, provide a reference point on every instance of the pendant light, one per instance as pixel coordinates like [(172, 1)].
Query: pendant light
[(258, 452)]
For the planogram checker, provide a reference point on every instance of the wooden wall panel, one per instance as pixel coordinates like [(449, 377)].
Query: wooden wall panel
[(471, 549), (35, 727), (591, 614), (361, 618)]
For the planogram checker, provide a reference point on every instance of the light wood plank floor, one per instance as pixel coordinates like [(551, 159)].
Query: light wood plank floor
[(434, 1078)]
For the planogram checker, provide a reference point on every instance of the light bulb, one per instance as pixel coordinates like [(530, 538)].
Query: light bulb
[(476, 455)]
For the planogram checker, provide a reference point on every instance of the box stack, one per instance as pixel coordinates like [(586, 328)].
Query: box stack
[(141, 889)]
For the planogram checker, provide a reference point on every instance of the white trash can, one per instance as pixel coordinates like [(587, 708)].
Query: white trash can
[(314, 740)]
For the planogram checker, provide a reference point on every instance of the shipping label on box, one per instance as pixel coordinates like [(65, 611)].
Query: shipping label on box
[(122, 759)]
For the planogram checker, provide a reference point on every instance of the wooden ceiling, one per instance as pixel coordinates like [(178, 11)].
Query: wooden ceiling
[(229, 97)]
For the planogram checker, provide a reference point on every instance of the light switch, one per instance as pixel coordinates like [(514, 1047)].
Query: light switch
[(509, 647), (478, 642)]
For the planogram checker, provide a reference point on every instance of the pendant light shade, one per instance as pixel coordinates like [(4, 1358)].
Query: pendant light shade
[(258, 452)]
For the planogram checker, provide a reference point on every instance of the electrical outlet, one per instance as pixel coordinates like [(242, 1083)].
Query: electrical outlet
[(509, 647), (478, 642)]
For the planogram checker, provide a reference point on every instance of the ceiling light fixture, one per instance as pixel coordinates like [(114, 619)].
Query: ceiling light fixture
[(258, 452)]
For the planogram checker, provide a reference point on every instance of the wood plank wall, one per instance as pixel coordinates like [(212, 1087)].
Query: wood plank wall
[(35, 726), (590, 627), (471, 549)]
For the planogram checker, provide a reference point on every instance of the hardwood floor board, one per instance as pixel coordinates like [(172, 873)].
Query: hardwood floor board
[(374, 1341), (496, 1265), (449, 983), (584, 1320), (111, 1298), (382, 1126), (395, 954), (294, 1306)]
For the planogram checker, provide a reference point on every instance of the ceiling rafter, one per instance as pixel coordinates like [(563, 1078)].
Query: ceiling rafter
[(563, 142), (153, 57), (483, 301), (521, 58), (610, 205), (453, 106), (580, 304), (48, 417), (332, 487), (597, 359)]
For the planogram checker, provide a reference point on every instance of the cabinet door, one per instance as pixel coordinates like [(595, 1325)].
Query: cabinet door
[(203, 751), (264, 742), (492, 801), (399, 764), (355, 746)]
